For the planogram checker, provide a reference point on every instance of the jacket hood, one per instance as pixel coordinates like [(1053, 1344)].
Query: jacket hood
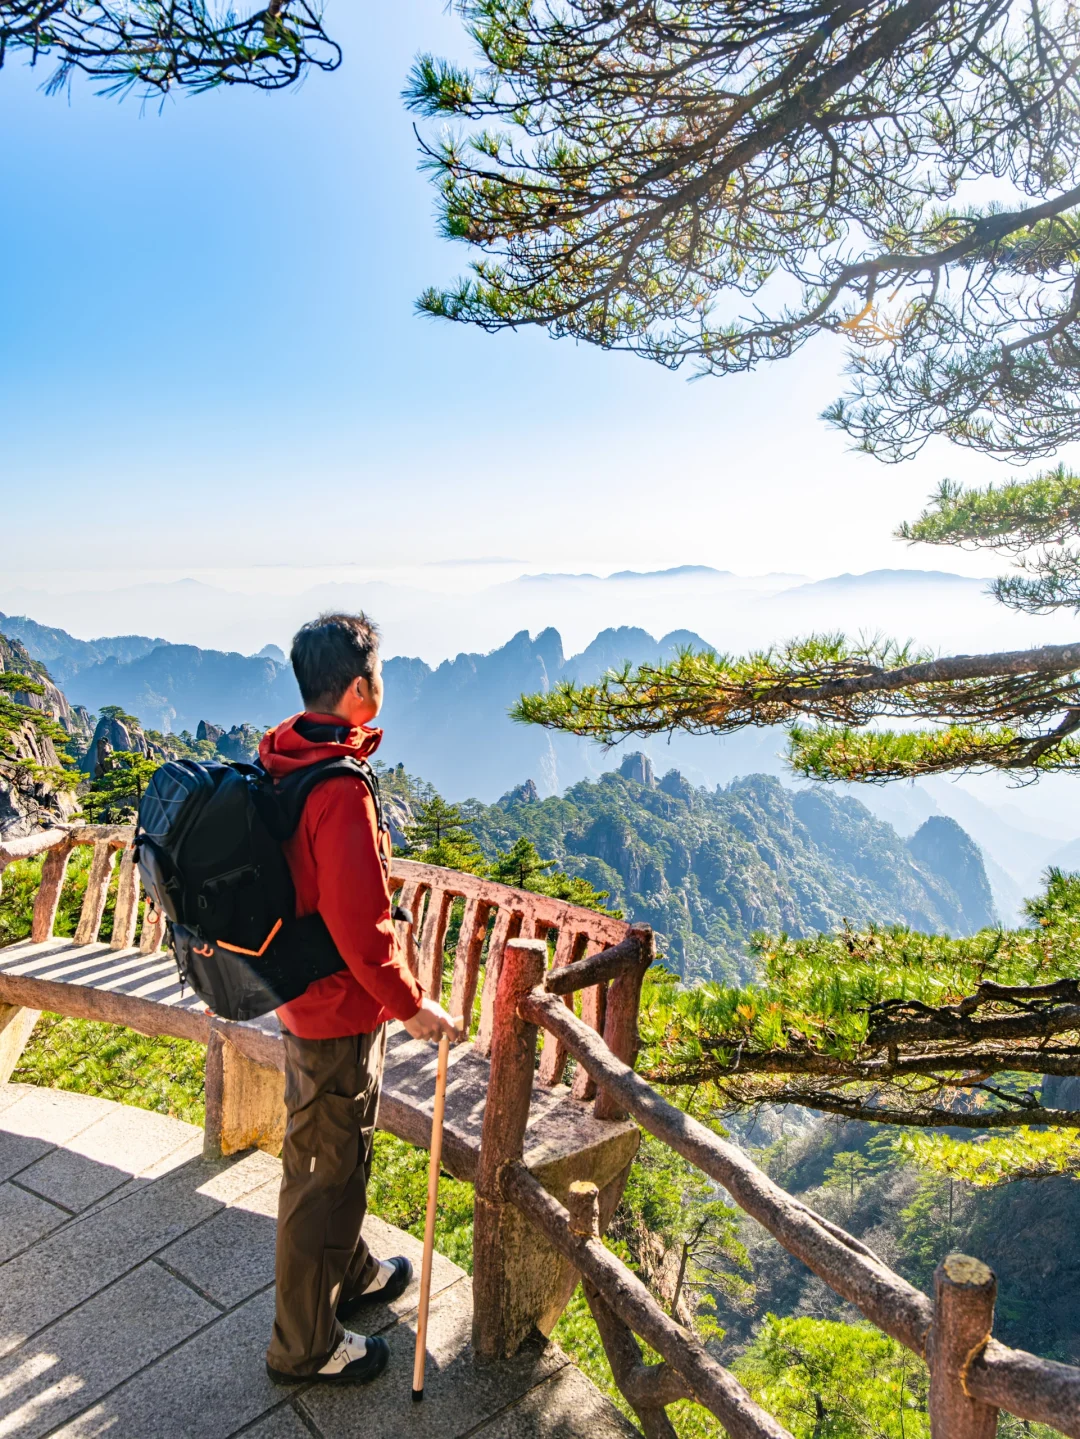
[(308, 738)]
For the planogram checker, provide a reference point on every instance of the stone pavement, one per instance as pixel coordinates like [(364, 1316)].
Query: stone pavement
[(136, 1294)]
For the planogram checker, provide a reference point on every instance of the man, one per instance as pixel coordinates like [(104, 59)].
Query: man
[(335, 1033)]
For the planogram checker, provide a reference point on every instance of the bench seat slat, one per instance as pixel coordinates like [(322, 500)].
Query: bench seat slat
[(84, 972), (111, 980)]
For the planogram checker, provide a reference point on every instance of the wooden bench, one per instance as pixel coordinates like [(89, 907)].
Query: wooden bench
[(130, 980)]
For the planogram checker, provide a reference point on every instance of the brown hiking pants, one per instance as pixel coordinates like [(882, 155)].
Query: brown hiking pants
[(332, 1101)]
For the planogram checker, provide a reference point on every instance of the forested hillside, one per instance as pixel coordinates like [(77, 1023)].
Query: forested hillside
[(707, 868)]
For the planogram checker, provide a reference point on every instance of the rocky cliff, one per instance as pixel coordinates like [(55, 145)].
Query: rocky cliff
[(35, 725), (707, 868), (941, 846)]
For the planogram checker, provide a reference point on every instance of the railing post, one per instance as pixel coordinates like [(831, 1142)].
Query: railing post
[(507, 927), (621, 1020), (583, 1207), (126, 914), (570, 946), (16, 1025), (245, 1101), (501, 1316), (97, 892), (436, 922), (620, 1346), (47, 900), (964, 1293)]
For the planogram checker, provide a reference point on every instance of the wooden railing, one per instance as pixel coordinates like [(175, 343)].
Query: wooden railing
[(972, 1375), (493, 915)]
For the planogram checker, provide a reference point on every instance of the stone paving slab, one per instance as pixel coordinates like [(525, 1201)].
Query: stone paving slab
[(72, 1180), (124, 1142), (459, 1395), (39, 1120), (281, 1424), (69, 1365), (231, 1257), (146, 1315), (24, 1218), (209, 1388), (565, 1406), (11, 1094), (91, 1251)]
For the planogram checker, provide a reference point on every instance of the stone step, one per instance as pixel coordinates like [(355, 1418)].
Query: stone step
[(136, 1294)]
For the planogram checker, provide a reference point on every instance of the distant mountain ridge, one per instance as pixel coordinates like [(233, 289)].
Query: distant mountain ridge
[(65, 655), (449, 722), (438, 611)]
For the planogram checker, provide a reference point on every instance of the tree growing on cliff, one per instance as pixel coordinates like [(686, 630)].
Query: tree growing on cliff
[(439, 835), (718, 184), (523, 867), (155, 46), (114, 795)]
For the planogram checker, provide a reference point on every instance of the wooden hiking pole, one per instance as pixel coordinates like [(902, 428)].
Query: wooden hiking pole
[(434, 1166)]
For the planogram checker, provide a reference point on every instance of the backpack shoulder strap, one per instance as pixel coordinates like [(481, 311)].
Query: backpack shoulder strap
[(292, 792)]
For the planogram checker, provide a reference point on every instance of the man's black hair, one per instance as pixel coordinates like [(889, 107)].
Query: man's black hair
[(330, 652)]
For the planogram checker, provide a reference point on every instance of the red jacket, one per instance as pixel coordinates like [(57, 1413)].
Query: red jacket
[(336, 861)]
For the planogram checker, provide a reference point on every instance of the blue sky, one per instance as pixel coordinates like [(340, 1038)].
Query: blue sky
[(209, 358)]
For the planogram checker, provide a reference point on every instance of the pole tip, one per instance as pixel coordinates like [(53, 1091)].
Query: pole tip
[(417, 1395)]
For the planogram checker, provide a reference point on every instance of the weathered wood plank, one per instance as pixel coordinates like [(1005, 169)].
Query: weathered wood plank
[(646, 1387), (845, 1264), (500, 1319), (144, 1015), (1041, 1390), (621, 1019), (593, 1012), (604, 929), (964, 1293), (31, 845), (569, 950), (153, 931), (605, 964), (467, 958), (710, 1383)]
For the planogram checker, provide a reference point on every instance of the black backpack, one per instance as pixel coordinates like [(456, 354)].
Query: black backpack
[(208, 845)]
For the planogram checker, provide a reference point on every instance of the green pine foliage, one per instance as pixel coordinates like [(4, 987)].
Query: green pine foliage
[(439, 835), (113, 797), (397, 1193), (523, 867), (825, 1380), (16, 718), (817, 991), (715, 185), (1035, 522), (162, 1074)]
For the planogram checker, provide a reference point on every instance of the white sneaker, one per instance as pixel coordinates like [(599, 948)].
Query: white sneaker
[(351, 1349), (357, 1360)]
